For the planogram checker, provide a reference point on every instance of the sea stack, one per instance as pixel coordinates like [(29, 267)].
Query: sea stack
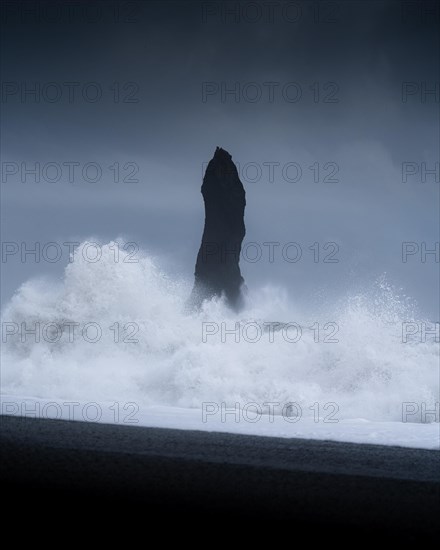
[(217, 270)]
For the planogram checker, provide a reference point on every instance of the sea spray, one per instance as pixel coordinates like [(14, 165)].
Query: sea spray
[(119, 331)]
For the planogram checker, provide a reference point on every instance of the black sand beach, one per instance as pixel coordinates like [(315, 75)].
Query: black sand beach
[(373, 491)]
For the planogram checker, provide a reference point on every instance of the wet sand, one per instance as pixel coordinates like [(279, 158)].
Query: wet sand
[(344, 488)]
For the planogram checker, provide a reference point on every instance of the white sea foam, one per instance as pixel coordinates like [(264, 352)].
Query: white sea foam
[(368, 373)]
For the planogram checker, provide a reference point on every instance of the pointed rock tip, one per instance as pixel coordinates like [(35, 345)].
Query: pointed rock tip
[(221, 153)]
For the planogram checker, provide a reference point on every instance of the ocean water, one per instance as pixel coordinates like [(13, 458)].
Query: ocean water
[(121, 331)]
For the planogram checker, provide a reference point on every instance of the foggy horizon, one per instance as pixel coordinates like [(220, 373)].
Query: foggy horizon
[(334, 128)]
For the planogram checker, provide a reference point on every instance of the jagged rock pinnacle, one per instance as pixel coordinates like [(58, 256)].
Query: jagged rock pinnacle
[(217, 269)]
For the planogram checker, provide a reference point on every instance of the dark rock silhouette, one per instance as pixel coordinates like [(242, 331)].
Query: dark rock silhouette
[(217, 269)]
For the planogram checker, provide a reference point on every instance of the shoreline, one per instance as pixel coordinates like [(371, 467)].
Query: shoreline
[(326, 426)]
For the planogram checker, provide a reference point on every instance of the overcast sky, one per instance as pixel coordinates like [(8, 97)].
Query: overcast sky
[(331, 110)]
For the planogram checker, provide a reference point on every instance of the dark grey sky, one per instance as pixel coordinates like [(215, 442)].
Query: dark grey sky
[(350, 99)]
